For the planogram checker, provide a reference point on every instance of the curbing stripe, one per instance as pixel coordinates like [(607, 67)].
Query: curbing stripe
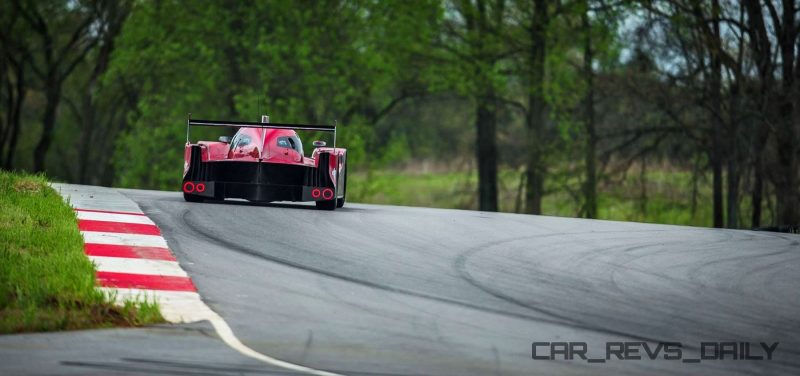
[(115, 238), (138, 266), (120, 227), (111, 217), (109, 211), (127, 251), (145, 282)]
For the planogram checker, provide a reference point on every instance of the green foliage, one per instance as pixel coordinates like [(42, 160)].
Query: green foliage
[(46, 281), (356, 137), (296, 63), (402, 78), (396, 151), (160, 53)]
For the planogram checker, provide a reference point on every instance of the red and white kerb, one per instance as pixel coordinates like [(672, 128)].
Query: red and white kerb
[(129, 252)]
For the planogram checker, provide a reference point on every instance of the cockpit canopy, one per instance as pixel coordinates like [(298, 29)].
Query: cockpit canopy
[(266, 143)]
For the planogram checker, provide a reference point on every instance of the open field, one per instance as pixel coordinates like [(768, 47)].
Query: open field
[(46, 281), (665, 197)]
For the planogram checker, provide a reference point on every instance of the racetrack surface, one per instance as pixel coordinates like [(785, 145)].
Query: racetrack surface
[(414, 291)]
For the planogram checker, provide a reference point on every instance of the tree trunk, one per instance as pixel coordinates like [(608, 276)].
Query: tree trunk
[(716, 169), (5, 95), (786, 176), (643, 187), (590, 187), (757, 192), (518, 200), (733, 161), (761, 50), (117, 13), (733, 192), (786, 179), (716, 119), (53, 97), (695, 178), (537, 110), (16, 100), (486, 102), (487, 153), (85, 149)]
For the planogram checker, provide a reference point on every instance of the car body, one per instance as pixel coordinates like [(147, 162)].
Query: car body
[(263, 163)]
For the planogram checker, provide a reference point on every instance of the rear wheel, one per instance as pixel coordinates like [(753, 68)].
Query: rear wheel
[(340, 201), (192, 198)]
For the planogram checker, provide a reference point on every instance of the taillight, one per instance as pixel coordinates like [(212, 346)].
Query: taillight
[(188, 187), (315, 193), (200, 187), (327, 193)]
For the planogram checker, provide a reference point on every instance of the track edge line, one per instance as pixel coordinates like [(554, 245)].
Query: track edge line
[(226, 334)]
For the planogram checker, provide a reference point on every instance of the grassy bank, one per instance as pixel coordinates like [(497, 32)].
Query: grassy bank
[(46, 282), (660, 195)]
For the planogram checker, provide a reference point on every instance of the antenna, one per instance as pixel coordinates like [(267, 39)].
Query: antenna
[(264, 120)]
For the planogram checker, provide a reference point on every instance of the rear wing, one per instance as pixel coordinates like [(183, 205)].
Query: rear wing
[(264, 124)]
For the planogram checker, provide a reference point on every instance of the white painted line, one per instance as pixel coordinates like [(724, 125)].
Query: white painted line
[(224, 331), (95, 237), (112, 217), (138, 266), (178, 306), (175, 306)]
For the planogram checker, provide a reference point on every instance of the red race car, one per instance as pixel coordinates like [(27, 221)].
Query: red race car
[(264, 162)]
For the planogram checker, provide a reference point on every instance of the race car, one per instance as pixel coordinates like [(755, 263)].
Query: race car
[(264, 162)]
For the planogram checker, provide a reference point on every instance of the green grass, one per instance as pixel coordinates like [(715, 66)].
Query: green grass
[(46, 281), (668, 194)]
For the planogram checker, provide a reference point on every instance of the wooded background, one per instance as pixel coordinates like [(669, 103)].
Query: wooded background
[(595, 104)]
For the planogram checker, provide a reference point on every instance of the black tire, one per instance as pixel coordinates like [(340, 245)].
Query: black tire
[(340, 201), (326, 205), (192, 198)]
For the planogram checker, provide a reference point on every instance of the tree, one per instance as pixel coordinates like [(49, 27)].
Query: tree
[(761, 54), (470, 48), (742, 57), (14, 83), (113, 14), (590, 185), (715, 89), (56, 57), (787, 135), (537, 106), (297, 64)]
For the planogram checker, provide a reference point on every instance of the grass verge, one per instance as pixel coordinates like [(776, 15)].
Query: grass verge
[(46, 281)]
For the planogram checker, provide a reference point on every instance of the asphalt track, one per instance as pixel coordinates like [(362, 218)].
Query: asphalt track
[(385, 290)]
